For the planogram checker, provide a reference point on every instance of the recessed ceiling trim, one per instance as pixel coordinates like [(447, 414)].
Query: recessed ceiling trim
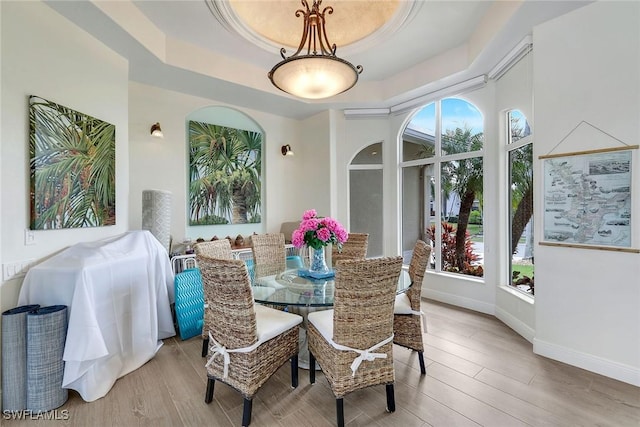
[(224, 13), (456, 89), (511, 58), (366, 112), (452, 90)]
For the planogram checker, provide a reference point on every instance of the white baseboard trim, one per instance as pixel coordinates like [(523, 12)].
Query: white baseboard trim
[(598, 365), (459, 301), (608, 368), (516, 324)]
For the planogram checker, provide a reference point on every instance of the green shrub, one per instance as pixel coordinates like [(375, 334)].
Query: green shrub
[(475, 217), (448, 251)]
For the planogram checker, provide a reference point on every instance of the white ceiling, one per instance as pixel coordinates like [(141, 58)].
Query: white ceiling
[(180, 45)]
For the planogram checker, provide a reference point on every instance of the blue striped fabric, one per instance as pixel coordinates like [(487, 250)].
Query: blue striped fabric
[(189, 304)]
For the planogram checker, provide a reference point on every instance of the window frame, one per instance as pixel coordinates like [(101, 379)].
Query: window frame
[(437, 160), (510, 146)]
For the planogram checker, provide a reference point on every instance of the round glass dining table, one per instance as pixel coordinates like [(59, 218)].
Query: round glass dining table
[(290, 288), (302, 294)]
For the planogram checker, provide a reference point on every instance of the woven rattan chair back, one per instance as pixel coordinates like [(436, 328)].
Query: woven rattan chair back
[(407, 328), (220, 249), (365, 290), (227, 292), (269, 253), (354, 248), (236, 357), (417, 269)]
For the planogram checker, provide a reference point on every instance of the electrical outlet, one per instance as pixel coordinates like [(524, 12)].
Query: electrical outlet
[(16, 269), (29, 237)]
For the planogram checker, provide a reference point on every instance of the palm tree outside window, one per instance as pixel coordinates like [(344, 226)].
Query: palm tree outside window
[(520, 154), (442, 154)]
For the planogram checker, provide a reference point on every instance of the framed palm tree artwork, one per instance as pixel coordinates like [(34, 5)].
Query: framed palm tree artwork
[(72, 159), (224, 175)]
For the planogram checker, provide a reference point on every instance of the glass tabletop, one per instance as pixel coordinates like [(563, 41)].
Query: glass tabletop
[(289, 288)]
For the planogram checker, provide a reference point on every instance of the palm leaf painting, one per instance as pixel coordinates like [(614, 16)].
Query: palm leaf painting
[(224, 175), (72, 159)]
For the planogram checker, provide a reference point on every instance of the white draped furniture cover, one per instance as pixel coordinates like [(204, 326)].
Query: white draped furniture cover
[(119, 292)]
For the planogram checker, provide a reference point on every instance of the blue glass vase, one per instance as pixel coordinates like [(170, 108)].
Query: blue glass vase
[(317, 261)]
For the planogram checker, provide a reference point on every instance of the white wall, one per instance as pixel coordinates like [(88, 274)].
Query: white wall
[(310, 187), (44, 55), (587, 68), (162, 163), (514, 90)]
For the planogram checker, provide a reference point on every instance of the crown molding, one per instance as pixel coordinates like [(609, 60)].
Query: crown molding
[(510, 59), (452, 90)]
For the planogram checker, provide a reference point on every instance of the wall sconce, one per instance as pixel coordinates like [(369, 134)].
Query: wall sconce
[(156, 131), (286, 150)]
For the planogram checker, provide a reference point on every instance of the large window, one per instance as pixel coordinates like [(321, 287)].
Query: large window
[(520, 157), (442, 175)]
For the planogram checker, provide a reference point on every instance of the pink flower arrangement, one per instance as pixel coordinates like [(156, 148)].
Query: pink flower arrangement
[(317, 232)]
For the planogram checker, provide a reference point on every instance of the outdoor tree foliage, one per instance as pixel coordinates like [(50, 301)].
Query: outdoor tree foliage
[(464, 177), (449, 250), (522, 183)]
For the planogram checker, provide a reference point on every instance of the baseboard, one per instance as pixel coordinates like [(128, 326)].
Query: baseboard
[(598, 365), (608, 368), (459, 301), (516, 324)]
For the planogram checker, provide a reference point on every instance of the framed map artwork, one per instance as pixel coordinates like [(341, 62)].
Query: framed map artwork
[(588, 199)]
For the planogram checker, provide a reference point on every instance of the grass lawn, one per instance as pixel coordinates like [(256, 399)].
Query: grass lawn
[(475, 232), (524, 269)]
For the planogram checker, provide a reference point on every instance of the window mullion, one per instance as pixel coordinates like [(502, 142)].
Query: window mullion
[(438, 188)]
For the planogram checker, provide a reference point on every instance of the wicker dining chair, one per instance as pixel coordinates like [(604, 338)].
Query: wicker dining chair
[(249, 342), (215, 249), (352, 343), (269, 254), (354, 248), (407, 316)]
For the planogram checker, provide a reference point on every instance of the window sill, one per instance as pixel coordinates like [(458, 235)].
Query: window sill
[(521, 295), (456, 276)]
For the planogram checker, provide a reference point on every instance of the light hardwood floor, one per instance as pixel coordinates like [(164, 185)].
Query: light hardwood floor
[(479, 372)]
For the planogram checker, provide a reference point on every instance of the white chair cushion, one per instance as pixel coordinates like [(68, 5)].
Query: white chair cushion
[(269, 282), (323, 321), (262, 292), (402, 305), (270, 322)]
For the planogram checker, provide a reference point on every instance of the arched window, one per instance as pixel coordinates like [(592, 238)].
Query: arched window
[(442, 184), (365, 196), (520, 211)]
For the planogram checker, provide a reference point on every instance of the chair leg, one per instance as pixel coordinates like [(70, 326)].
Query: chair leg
[(246, 412), (423, 370), (208, 396), (391, 399), (205, 347), (340, 411), (294, 371), (312, 371)]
